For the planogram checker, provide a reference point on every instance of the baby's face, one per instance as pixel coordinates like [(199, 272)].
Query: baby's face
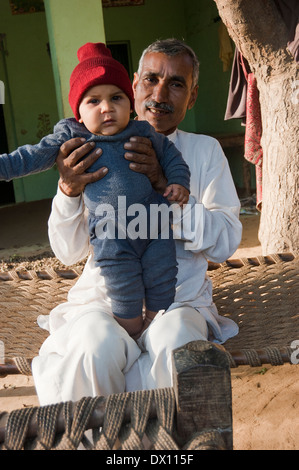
[(105, 110)]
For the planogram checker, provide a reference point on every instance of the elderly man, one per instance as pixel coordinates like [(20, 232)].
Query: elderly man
[(87, 353)]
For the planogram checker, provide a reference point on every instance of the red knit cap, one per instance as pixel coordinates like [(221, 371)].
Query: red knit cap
[(97, 67)]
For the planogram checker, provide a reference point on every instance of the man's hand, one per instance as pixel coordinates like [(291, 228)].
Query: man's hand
[(143, 160), (177, 193), (73, 178)]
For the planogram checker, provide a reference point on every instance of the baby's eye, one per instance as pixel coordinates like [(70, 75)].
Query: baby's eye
[(116, 98), (93, 101)]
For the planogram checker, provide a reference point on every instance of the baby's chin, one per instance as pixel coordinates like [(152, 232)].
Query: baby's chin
[(106, 130)]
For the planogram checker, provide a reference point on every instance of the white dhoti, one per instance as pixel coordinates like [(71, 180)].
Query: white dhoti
[(92, 355)]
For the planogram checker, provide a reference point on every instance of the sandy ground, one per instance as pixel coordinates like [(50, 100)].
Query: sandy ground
[(265, 400)]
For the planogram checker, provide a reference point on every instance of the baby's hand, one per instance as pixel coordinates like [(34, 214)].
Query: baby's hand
[(177, 193)]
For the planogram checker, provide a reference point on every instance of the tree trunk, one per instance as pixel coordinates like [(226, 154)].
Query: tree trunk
[(261, 36)]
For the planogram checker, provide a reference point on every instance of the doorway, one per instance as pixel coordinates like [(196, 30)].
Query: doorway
[(121, 51), (7, 195)]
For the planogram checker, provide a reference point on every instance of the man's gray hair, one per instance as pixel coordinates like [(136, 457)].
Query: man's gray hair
[(172, 47)]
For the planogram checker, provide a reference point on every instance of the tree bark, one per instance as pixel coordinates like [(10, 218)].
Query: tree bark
[(261, 36)]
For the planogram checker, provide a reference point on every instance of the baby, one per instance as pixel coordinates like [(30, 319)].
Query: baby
[(136, 269)]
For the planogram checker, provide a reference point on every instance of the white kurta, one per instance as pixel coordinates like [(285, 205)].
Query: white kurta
[(87, 352)]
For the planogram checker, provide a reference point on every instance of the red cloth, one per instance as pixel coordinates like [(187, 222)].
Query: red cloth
[(97, 67), (253, 151)]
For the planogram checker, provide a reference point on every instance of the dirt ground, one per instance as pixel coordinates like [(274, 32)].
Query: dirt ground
[(265, 400)]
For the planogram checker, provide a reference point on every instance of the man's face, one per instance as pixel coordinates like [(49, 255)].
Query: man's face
[(163, 91)]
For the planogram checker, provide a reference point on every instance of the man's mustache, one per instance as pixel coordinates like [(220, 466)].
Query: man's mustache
[(162, 106)]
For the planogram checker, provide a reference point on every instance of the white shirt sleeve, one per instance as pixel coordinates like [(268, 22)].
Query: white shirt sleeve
[(210, 222), (68, 228)]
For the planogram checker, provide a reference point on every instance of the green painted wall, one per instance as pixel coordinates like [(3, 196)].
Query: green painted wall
[(25, 68), (192, 21), (202, 35), (141, 25), (70, 25), (39, 86)]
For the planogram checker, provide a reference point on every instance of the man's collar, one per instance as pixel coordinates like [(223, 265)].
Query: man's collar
[(172, 137)]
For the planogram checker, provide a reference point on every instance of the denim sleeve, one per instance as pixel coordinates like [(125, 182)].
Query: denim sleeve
[(30, 159)]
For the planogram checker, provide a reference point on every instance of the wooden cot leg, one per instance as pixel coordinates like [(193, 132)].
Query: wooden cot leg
[(202, 385)]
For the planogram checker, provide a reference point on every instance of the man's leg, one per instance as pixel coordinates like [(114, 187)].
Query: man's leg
[(166, 333), (88, 356)]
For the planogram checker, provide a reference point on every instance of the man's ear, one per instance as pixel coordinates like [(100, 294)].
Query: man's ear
[(135, 81), (193, 97)]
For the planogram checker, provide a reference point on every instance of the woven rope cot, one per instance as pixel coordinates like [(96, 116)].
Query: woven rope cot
[(162, 419), (24, 296), (142, 420), (260, 294)]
